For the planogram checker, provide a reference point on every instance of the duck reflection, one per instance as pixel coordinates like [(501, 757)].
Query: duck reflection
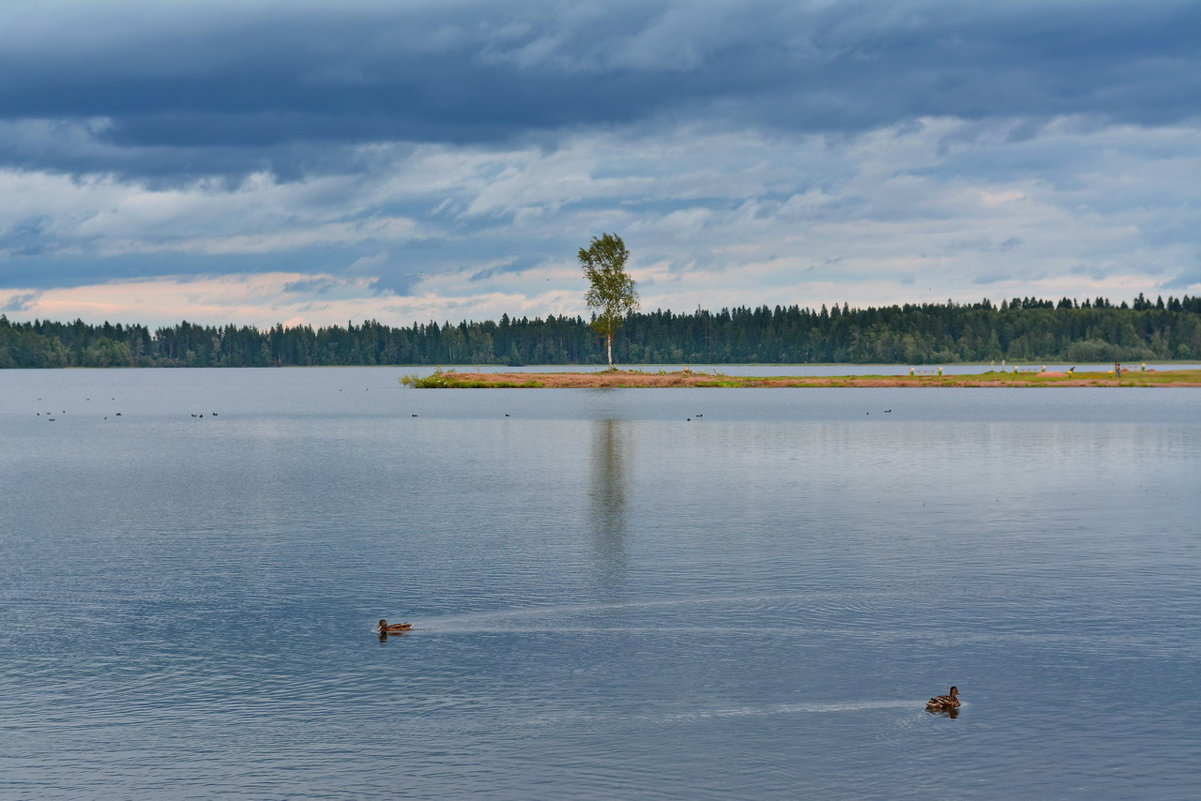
[(387, 629), (944, 713), (608, 496)]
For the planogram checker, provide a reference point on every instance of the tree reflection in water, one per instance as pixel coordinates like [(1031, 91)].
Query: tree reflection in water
[(608, 496)]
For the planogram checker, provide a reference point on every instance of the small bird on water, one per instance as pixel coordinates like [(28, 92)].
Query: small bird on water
[(944, 703), (385, 627)]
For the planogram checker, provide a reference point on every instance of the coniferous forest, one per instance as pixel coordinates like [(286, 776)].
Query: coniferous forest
[(1022, 329)]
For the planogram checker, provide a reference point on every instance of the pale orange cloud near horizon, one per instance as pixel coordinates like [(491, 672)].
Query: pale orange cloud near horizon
[(263, 300)]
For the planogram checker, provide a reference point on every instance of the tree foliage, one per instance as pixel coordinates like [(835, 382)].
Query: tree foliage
[(1026, 329), (611, 294)]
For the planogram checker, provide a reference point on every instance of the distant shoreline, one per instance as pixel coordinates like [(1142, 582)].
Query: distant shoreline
[(634, 379)]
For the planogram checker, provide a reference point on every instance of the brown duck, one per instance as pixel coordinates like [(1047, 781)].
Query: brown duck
[(393, 628), (944, 703)]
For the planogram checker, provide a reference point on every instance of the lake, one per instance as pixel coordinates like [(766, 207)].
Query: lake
[(616, 594)]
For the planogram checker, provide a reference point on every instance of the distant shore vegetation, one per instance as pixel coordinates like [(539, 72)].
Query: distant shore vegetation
[(1022, 329)]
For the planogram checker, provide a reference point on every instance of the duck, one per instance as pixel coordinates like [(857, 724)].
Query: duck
[(944, 703), (393, 628)]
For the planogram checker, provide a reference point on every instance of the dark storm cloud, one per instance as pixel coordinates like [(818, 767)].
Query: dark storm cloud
[(237, 87)]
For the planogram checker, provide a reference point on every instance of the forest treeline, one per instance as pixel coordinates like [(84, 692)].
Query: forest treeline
[(1022, 329)]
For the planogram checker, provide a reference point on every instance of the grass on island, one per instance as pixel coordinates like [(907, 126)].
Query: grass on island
[(451, 379)]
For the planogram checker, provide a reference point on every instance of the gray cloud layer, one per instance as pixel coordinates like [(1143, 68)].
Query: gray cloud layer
[(164, 89), (258, 160)]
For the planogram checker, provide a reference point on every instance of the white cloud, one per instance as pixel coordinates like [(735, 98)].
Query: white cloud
[(916, 212)]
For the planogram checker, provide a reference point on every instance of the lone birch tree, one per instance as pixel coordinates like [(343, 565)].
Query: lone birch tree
[(611, 294)]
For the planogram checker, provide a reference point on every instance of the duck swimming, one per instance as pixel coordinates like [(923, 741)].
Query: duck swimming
[(393, 628), (944, 703)]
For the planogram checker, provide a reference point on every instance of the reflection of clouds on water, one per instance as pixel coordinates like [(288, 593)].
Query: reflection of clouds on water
[(608, 499)]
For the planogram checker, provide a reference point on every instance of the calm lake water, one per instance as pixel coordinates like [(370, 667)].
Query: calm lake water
[(610, 600)]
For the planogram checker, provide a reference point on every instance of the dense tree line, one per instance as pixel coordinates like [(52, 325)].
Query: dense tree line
[(1022, 329)]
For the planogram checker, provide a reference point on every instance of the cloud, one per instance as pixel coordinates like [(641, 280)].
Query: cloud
[(220, 88), (318, 161), (781, 217), (19, 302), (261, 299)]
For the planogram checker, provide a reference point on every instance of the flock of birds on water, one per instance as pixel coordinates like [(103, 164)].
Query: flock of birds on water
[(51, 419), (64, 411), (201, 416)]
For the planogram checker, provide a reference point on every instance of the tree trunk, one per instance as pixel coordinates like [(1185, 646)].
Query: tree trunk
[(609, 348)]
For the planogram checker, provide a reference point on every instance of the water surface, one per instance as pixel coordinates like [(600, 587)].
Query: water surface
[(680, 593)]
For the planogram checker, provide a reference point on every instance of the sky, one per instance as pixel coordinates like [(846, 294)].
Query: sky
[(315, 162)]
